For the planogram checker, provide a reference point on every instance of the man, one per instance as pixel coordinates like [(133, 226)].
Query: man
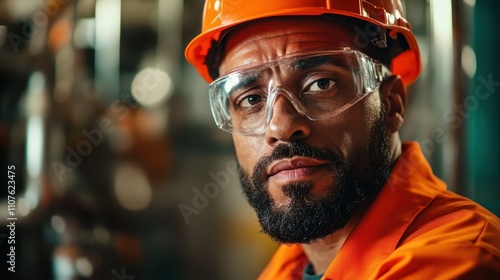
[(313, 92)]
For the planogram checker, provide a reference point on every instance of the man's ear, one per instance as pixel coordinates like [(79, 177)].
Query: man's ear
[(393, 95)]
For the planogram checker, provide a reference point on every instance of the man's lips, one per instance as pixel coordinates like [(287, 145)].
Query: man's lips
[(295, 166)]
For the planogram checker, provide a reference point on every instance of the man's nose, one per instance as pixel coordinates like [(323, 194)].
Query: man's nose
[(285, 123)]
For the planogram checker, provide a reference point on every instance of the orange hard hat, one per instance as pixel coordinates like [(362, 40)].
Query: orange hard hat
[(221, 15)]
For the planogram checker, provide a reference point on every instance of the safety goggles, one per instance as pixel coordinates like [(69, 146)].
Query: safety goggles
[(319, 85)]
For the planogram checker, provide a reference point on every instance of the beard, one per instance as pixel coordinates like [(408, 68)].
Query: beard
[(307, 218)]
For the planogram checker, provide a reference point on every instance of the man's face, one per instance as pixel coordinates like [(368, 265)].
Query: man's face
[(306, 179)]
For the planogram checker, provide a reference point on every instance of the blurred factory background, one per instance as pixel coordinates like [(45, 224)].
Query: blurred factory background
[(119, 169)]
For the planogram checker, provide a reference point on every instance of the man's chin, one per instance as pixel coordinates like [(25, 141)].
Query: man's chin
[(306, 190), (301, 217)]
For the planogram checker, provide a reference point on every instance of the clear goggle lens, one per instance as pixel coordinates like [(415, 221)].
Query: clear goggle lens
[(319, 85)]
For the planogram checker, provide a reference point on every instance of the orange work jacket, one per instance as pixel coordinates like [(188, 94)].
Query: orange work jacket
[(414, 229)]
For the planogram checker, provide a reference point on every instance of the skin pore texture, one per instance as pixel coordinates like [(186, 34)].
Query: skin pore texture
[(310, 181)]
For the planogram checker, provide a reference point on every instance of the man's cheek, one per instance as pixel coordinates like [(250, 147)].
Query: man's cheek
[(247, 154)]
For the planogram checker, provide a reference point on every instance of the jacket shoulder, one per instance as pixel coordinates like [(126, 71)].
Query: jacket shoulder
[(452, 237), (453, 219)]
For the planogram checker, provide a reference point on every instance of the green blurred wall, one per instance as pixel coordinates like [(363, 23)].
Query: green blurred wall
[(483, 104)]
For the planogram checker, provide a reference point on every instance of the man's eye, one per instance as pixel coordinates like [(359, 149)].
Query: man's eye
[(322, 84), (250, 100)]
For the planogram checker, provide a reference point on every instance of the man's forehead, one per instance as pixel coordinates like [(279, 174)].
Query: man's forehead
[(269, 28), (268, 39)]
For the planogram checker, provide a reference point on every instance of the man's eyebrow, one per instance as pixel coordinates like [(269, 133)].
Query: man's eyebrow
[(311, 62), (246, 80)]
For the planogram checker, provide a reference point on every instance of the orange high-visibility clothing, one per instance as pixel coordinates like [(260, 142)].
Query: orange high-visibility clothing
[(414, 229)]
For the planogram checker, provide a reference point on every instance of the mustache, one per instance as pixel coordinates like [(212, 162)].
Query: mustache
[(293, 149)]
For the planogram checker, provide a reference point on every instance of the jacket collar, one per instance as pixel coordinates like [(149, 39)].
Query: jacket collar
[(406, 193)]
